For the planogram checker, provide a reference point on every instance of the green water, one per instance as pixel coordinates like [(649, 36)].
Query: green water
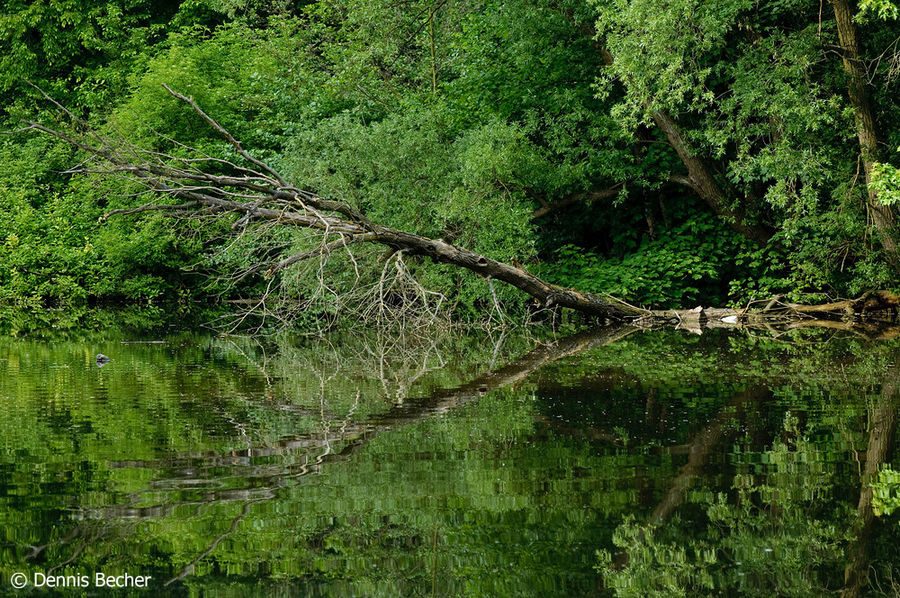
[(454, 466)]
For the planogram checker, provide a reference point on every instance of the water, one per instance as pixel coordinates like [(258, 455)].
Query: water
[(457, 466)]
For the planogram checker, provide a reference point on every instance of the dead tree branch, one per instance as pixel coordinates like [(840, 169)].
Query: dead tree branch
[(274, 200), (196, 185)]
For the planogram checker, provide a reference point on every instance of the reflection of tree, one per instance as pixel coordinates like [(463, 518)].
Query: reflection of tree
[(565, 487), (196, 473), (777, 535), (882, 425), (762, 541), (699, 450)]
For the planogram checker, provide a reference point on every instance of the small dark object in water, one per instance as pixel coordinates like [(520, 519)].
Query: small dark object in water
[(102, 360)]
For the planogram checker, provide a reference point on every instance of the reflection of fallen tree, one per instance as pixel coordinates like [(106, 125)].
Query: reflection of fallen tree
[(201, 474), (189, 568), (882, 425)]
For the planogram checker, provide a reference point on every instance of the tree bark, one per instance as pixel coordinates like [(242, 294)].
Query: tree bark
[(858, 91)]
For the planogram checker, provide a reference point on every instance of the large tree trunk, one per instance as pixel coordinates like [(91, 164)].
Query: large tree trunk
[(858, 90)]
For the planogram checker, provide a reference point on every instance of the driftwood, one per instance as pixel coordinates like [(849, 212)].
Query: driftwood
[(258, 193)]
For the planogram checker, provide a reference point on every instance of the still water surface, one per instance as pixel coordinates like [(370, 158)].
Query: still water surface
[(619, 463)]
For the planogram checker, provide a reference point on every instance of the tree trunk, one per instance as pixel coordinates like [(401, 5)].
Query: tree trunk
[(858, 91)]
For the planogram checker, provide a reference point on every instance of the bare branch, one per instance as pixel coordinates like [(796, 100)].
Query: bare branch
[(322, 250), (222, 131)]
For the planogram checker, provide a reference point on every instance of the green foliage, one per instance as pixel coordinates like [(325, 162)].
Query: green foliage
[(886, 182), (457, 120), (469, 191), (881, 9), (886, 492), (53, 249), (684, 266), (754, 96), (663, 56), (759, 543)]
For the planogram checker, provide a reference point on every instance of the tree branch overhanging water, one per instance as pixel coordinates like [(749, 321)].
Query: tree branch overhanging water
[(259, 194)]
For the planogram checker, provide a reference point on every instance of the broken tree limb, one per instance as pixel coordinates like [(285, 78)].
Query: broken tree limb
[(272, 199), (873, 301)]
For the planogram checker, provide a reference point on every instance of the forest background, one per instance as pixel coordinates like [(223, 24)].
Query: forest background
[(667, 153)]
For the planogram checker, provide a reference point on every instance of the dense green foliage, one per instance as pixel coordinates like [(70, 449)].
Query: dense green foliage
[(457, 120)]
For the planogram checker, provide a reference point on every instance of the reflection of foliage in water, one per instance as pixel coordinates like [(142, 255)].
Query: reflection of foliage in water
[(284, 458), (767, 537), (887, 492)]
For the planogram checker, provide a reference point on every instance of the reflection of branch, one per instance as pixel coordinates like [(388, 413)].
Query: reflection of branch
[(81, 547), (261, 368), (353, 434), (882, 425), (699, 449), (359, 434), (443, 401), (869, 330), (37, 550), (234, 523)]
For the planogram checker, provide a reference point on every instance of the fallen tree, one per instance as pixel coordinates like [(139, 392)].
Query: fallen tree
[(201, 185)]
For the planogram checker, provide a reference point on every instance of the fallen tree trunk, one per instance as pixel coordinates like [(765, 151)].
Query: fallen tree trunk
[(211, 186), (260, 193)]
